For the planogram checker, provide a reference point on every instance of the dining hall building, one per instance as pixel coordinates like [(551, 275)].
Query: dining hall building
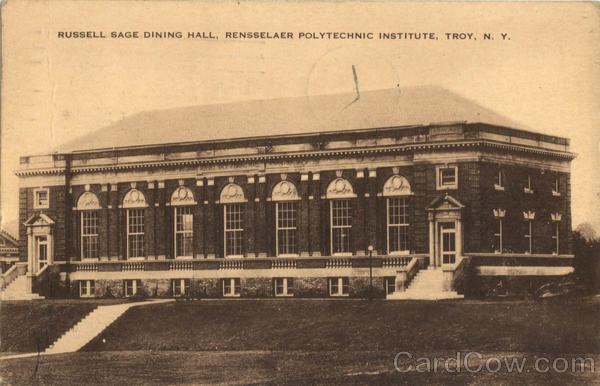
[(405, 211)]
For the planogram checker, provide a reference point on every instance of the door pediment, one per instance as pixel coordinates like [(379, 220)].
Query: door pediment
[(39, 220), (444, 203)]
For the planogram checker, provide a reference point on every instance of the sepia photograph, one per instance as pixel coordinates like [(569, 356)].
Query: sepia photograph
[(252, 192)]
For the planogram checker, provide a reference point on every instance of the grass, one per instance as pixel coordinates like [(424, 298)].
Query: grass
[(29, 326), (564, 326), (260, 367), (323, 342)]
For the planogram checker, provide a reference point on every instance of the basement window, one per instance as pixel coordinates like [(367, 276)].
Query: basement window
[(132, 287), (283, 286), (87, 288), (231, 287), (390, 285), (339, 286), (180, 287)]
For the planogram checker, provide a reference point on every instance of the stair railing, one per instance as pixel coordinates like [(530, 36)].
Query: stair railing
[(411, 270), (13, 272)]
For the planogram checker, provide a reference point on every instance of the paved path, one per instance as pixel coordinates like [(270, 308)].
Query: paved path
[(87, 328)]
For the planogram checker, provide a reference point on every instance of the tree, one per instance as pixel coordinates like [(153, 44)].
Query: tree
[(586, 248), (587, 231)]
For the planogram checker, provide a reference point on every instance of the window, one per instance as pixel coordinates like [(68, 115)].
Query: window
[(132, 287), (341, 225), (555, 237), (234, 230), (498, 236), (135, 233), (338, 286), (283, 286), (556, 186), (231, 287), (180, 287), (398, 222), (86, 288), (447, 177), (390, 285), (41, 198), (529, 236), (89, 235), (499, 216), (528, 189), (499, 185), (286, 228), (184, 234)]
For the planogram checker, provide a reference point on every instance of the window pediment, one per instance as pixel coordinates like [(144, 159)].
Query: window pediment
[(182, 196), (285, 191), (134, 199), (340, 188), (88, 201), (499, 213), (232, 193), (396, 185)]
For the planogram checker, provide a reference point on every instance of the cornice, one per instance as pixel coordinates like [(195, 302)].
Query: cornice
[(306, 154)]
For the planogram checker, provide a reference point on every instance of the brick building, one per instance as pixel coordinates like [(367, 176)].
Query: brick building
[(9, 250), (394, 211)]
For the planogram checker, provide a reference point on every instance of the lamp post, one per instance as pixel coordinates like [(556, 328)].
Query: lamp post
[(370, 248)]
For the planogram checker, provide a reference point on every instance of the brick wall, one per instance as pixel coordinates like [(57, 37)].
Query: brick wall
[(59, 208), (476, 191), (516, 201)]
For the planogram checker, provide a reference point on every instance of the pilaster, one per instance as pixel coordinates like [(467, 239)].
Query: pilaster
[(251, 230), (316, 237), (114, 223), (303, 219), (210, 228), (261, 217)]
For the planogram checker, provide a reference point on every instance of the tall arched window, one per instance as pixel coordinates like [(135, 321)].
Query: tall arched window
[(134, 203), (340, 193), (88, 206), (396, 190), (232, 197), (182, 201), (285, 196)]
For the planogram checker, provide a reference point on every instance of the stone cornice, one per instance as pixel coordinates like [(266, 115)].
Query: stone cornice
[(382, 149)]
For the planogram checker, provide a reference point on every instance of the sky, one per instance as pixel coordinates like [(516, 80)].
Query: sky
[(543, 74)]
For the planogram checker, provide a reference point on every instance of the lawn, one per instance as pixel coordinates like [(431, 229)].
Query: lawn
[(29, 326), (556, 326), (295, 341), (261, 367)]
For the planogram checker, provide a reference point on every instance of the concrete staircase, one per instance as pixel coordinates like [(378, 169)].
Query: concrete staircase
[(427, 284), (18, 290), (91, 326), (87, 329)]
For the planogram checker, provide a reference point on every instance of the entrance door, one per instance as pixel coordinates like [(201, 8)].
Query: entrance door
[(448, 243), (42, 250)]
